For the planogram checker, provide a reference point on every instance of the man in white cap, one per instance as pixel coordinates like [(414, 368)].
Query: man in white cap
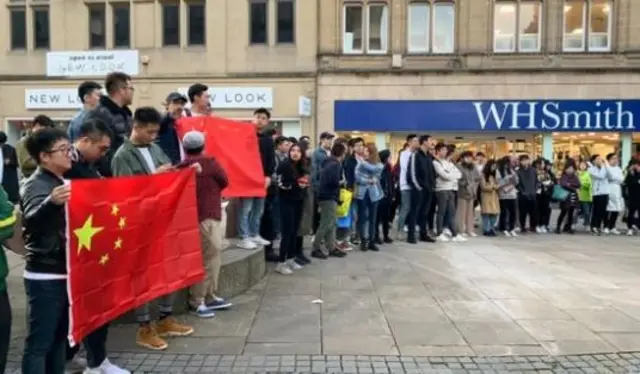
[(210, 181)]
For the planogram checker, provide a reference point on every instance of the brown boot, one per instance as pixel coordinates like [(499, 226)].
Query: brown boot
[(170, 326), (148, 337)]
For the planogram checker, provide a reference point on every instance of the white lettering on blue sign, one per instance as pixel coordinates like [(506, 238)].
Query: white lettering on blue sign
[(548, 115)]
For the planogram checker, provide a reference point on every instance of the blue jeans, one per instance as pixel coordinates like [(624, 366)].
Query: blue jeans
[(48, 319), (489, 222), (405, 207), (585, 209), (249, 216), (367, 218)]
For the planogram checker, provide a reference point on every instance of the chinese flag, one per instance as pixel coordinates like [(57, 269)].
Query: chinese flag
[(234, 145), (129, 241)]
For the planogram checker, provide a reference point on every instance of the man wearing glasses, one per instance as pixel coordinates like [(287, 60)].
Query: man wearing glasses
[(114, 111)]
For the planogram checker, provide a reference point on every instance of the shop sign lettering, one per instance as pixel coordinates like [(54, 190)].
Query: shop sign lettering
[(92, 63)]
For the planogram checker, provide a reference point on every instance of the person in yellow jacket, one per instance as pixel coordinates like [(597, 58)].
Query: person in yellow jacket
[(584, 193)]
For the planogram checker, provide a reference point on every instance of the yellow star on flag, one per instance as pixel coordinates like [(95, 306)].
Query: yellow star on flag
[(86, 233), (115, 210), (122, 222), (104, 259), (117, 244)]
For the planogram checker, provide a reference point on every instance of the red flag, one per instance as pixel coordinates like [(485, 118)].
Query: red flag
[(129, 241), (234, 145)]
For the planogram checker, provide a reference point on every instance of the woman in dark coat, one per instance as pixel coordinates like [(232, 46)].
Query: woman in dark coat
[(570, 182), (385, 205)]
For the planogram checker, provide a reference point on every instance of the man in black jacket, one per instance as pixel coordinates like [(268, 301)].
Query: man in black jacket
[(328, 195), (251, 208), (168, 136), (421, 179), (114, 111), (44, 195)]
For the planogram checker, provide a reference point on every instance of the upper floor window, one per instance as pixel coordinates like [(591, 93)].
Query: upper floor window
[(197, 26), (41, 27), (97, 27), (587, 25), (18, 23), (431, 27), (516, 26), (285, 14), (121, 25), (171, 24), (258, 22), (365, 28)]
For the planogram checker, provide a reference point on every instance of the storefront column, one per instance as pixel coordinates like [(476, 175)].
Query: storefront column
[(626, 142), (381, 141), (547, 145)]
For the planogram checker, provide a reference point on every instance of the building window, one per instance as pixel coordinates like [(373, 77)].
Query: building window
[(369, 22), (285, 22), (41, 28), (197, 24), (516, 26), (18, 20), (258, 19), (170, 24), (121, 25), (431, 27), (97, 27), (587, 25)]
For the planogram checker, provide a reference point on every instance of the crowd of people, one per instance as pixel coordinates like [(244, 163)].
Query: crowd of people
[(345, 193)]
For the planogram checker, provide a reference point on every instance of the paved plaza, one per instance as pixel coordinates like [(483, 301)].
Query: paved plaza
[(538, 303)]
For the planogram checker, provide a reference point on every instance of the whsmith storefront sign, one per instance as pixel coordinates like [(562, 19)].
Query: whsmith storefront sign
[(488, 115)]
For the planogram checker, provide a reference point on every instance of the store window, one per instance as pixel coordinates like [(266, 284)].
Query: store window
[(431, 27), (516, 26), (365, 28), (587, 25), (583, 145)]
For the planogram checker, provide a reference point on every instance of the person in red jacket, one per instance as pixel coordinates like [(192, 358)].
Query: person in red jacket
[(211, 179)]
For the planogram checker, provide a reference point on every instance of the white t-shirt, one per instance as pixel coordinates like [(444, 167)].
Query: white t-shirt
[(144, 151), (405, 156)]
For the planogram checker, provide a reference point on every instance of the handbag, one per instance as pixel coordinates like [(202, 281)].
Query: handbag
[(559, 193), (344, 222), (345, 198)]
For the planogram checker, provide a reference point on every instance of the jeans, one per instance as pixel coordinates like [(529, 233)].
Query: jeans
[(489, 222), (251, 209), (326, 232), (165, 306), (405, 207), (48, 319), (562, 224), (367, 217), (543, 208), (585, 209), (290, 217), (446, 211), (5, 328), (270, 220), (507, 214)]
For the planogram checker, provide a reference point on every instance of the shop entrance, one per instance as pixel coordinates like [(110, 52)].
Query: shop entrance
[(15, 128)]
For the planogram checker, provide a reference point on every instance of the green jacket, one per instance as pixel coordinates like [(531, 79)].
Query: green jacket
[(128, 160), (7, 222), (27, 164), (584, 193)]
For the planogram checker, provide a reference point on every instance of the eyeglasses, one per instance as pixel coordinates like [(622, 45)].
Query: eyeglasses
[(65, 150)]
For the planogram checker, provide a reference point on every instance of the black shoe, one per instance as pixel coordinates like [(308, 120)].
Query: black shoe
[(388, 240), (558, 231), (412, 241), (271, 257), (337, 253), (427, 238), (373, 247), (379, 241), (364, 246), (304, 260), (319, 254)]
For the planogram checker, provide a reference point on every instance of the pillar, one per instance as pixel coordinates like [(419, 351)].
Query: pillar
[(626, 145), (381, 140), (547, 146)]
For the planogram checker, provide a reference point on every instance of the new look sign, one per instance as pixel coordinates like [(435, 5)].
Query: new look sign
[(489, 115), (52, 98)]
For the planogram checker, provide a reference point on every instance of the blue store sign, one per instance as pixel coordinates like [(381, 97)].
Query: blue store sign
[(487, 115)]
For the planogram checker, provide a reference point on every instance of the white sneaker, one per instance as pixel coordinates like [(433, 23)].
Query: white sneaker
[(517, 229), (459, 239), (293, 265), (107, 368), (630, 232), (506, 233), (464, 234), (405, 229), (539, 230), (473, 234), (259, 240), (615, 232), (514, 233), (443, 238), (247, 244), (605, 231), (283, 268), (544, 230), (446, 232)]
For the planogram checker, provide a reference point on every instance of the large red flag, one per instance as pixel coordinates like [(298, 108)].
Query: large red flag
[(129, 241), (235, 146)]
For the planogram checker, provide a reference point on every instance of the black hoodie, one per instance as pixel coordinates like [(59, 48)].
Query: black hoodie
[(386, 179)]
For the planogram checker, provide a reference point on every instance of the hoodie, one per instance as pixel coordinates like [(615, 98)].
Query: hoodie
[(329, 177), (527, 182)]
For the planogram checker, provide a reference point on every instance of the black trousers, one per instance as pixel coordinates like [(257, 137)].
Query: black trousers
[(384, 218), (416, 213), (565, 212), (507, 214), (633, 211), (5, 328), (431, 215), (611, 219), (316, 215), (543, 210), (599, 211), (527, 208), (267, 227), (96, 346), (290, 216)]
